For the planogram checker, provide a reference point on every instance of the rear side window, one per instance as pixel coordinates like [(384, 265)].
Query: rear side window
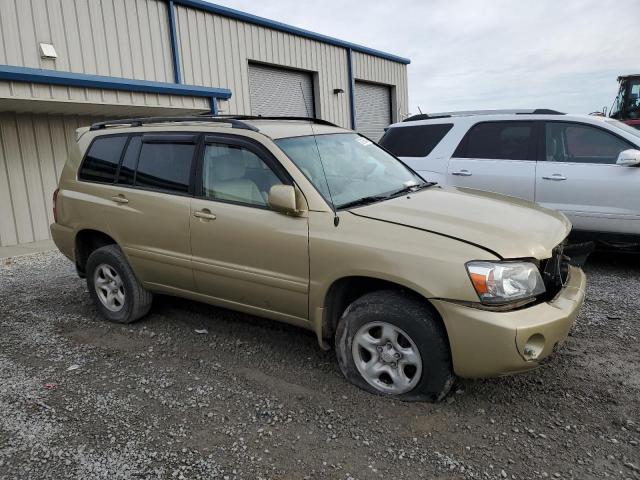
[(415, 141), (165, 166), (101, 162), (499, 140)]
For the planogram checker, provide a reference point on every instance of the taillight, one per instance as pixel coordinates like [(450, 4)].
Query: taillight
[(55, 205)]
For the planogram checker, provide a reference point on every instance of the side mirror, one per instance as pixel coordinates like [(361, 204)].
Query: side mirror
[(629, 158), (282, 198)]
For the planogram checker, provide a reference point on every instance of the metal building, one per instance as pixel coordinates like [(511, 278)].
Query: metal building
[(65, 64)]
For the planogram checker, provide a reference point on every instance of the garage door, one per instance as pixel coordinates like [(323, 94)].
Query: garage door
[(33, 150), (278, 92), (373, 109)]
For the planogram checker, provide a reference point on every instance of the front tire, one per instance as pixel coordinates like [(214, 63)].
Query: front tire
[(113, 287), (392, 343)]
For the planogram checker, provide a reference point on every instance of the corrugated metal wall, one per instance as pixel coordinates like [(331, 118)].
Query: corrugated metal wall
[(33, 150), (379, 70), (120, 38), (215, 51), (130, 39)]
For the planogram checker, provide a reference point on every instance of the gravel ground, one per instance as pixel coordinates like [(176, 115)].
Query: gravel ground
[(251, 398)]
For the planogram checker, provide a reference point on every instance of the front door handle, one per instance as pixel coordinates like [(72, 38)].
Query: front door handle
[(120, 199), (205, 214), (558, 177), (462, 173)]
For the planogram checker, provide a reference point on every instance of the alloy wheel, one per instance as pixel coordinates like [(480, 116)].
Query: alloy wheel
[(109, 287), (387, 358)]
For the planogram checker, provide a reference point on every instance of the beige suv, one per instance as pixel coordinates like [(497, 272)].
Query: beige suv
[(304, 222)]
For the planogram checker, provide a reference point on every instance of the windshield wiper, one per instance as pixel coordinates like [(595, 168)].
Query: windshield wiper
[(387, 196), (411, 189), (364, 201)]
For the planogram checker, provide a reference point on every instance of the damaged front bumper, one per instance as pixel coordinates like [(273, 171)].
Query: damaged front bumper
[(489, 343)]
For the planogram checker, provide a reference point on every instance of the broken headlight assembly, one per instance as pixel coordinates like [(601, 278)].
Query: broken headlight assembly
[(500, 283)]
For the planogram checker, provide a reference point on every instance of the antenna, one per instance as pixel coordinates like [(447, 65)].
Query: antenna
[(336, 219), (419, 110)]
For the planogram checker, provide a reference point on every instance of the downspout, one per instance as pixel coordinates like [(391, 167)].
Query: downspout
[(352, 88), (173, 36)]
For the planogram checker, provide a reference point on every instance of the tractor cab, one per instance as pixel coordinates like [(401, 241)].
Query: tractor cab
[(626, 106)]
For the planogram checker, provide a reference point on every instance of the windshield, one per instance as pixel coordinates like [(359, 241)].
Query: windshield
[(625, 127), (616, 108), (633, 103), (346, 167), (627, 103)]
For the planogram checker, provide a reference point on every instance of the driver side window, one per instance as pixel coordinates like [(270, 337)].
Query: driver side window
[(576, 143), (234, 174)]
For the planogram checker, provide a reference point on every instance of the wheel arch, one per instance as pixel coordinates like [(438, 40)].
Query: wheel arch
[(346, 290), (86, 242)]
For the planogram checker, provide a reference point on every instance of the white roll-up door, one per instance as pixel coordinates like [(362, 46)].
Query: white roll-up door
[(279, 91), (373, 109)]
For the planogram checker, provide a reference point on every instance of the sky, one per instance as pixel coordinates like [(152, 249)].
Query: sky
[(485, 54)]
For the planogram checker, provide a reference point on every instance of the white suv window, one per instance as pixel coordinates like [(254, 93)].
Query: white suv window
[(414, 141), (576, 143), (499, 140)]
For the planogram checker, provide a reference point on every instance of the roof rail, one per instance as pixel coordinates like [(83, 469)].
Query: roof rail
[(542, 111), (138, 122), (424, 116), (462, 113), (319, 121)]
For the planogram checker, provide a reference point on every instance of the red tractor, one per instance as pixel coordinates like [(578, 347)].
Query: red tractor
[(626, 106)]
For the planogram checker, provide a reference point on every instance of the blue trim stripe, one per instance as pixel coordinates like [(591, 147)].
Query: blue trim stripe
[(173, 36), (247, 17), (54, 77), (352, 88)]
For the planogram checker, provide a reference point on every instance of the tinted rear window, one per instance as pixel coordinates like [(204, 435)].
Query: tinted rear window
[(416, 141), (165, 166), (129, 162), (499, 140), (101, 162)]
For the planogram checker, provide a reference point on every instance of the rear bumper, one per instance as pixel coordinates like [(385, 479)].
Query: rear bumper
[(486, 344), (64, 238)]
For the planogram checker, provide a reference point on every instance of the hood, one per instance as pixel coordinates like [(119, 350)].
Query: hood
[(507, 226)]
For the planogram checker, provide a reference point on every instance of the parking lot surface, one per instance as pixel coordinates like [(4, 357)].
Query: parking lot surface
[(251, 398)]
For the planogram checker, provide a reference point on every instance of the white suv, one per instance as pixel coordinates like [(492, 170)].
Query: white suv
[(585, 166)]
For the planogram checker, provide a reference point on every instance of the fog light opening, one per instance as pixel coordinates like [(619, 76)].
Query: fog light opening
[(533, 347)]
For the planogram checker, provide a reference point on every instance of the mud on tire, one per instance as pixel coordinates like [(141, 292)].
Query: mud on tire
[(113, 287), (416, 325)]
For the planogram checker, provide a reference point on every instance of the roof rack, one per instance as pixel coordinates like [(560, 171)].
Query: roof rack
[(319, 121), (426, 116), (138, 122)]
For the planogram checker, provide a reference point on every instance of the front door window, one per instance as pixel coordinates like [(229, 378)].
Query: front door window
[(575, 143)]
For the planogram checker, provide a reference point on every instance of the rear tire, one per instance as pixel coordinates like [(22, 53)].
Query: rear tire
[(114, 288), (392, 343)]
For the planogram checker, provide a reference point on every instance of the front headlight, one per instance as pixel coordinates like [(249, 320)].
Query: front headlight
[(505, 282)]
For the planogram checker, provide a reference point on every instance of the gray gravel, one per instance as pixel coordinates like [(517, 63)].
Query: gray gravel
[(256, 399)]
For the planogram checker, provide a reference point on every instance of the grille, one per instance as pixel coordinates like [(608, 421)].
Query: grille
[(555, 271)]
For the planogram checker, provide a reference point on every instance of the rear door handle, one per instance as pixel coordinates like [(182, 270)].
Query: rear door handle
[(205, 214), (119, 199), (558, 177), (462, 173)]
